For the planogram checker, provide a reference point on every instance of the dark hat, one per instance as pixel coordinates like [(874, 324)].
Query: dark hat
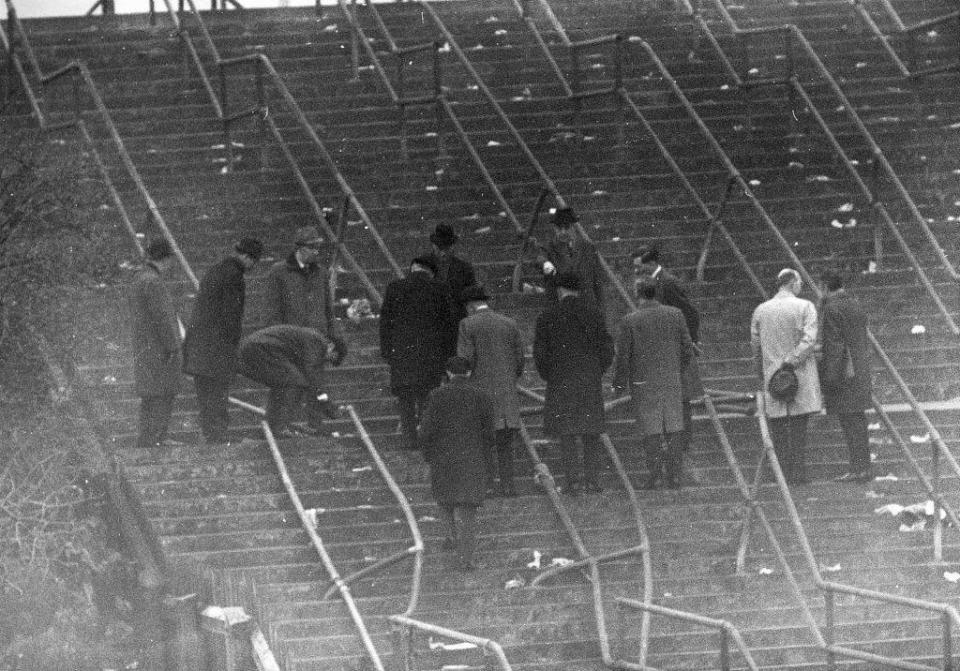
[(158, 249), (308, 235), (569, 280), (443, 236), (426, 262), (647, 254), (565, 217), (251, 247), (474, 293), (457, 365)]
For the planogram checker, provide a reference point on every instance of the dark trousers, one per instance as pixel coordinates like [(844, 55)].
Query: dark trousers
[(684, 438), (571, 461), (411, 402), (212, 394), (789, 435), (155, 412), (664, 455), (283, 402), (857, 436), (461, 522), (501, 463)]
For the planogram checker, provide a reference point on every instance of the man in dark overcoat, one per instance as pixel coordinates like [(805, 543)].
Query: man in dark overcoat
[(298, 292), (290, 360), (493, 344), (210, 347), (572, 349), (653, 348), (416, 331), (456, 273), (646, 263), (567, 251), (457, 434), (156, 345), (845, 371)]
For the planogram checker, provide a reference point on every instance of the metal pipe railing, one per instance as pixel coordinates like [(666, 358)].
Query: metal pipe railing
[(342, 586), (265, 71), (587, 560), (727, 631), (487, 645)]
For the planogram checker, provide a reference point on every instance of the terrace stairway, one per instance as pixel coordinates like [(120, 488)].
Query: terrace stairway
[(226, 509)]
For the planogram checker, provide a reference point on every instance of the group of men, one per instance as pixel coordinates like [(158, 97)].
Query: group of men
[(300, 337), (437, 324)]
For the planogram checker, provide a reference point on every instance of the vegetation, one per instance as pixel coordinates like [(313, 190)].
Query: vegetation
[(57, 239)]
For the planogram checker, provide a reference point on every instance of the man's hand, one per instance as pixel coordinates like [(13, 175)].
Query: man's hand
[(549, 268)]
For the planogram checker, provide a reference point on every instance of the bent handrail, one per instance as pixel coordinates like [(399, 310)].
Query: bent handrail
[(590, 561), (949, 614), (486, 644), (416, 550), (265, 70), (727, 631), (342, 586)]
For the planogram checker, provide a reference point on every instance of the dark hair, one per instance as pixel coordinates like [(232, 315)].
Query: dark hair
[(252, 247), (158, 249), (832, 280), (645, 288)]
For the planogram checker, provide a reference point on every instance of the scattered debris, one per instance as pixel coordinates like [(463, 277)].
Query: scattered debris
[(500, 32), (361, 469), (440, 645), (918, 329), (830, 569), (535, 564), (951, 576), (427, 518), (763, 570), (515, 583), (870, 494), (919, 440), (819, 178), (889, 477), (754, 182), (846, 207), (493, 143), (753, 71), (482, 230), (850, 223), (563, 561)]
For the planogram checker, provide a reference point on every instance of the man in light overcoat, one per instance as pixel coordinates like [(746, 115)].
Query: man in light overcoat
[(572, 349), (210, 347), (493, 344), (653, 348), (784, 330), (845, 371), (156, 345)]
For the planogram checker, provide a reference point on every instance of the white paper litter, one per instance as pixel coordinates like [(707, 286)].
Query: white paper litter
[(871, 268), (500, 32), (427, 518), (918, 329), (514, 583), (535, 564), (951, 576), (361, 469), (794, 164), (819, 178), (482, 230), (763, 570), (599, 192), (919, 440), (754, 182), (861, 64), (560, 561), (493, 143), (440, 645), (432, 187), (889, 477), (919, 525), (491, 19), (846, 207), (830, 569), (753, 71), (874, 426), (891, 508), (332, 28), (870, 494)]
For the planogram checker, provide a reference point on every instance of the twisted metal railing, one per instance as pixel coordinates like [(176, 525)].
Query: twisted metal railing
[(413, 626)]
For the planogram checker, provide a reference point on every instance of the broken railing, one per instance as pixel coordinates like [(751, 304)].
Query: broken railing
[(264, 73), (407, 642)]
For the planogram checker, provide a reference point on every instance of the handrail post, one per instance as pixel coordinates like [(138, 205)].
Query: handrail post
[(828, 627), (937, 522), (354, 42), (947, 642), (438, 93)]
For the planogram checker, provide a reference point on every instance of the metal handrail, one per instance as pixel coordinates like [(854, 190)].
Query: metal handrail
[(591, 562), (901, 30), (949, 614), (342, 586), (726, 630), (797, 37), (416, 550), (438, 98), (264, 69), (485, 644)]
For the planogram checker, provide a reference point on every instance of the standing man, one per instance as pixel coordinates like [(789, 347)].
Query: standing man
[(493, 344), (572, 349), (290, 360), (653, 348), (457, 435), (416, 332), (452, 271), (210, 348), (156, 345), (783, 330), (298, 293), (646, 263), (845, 371), (568, 252)]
